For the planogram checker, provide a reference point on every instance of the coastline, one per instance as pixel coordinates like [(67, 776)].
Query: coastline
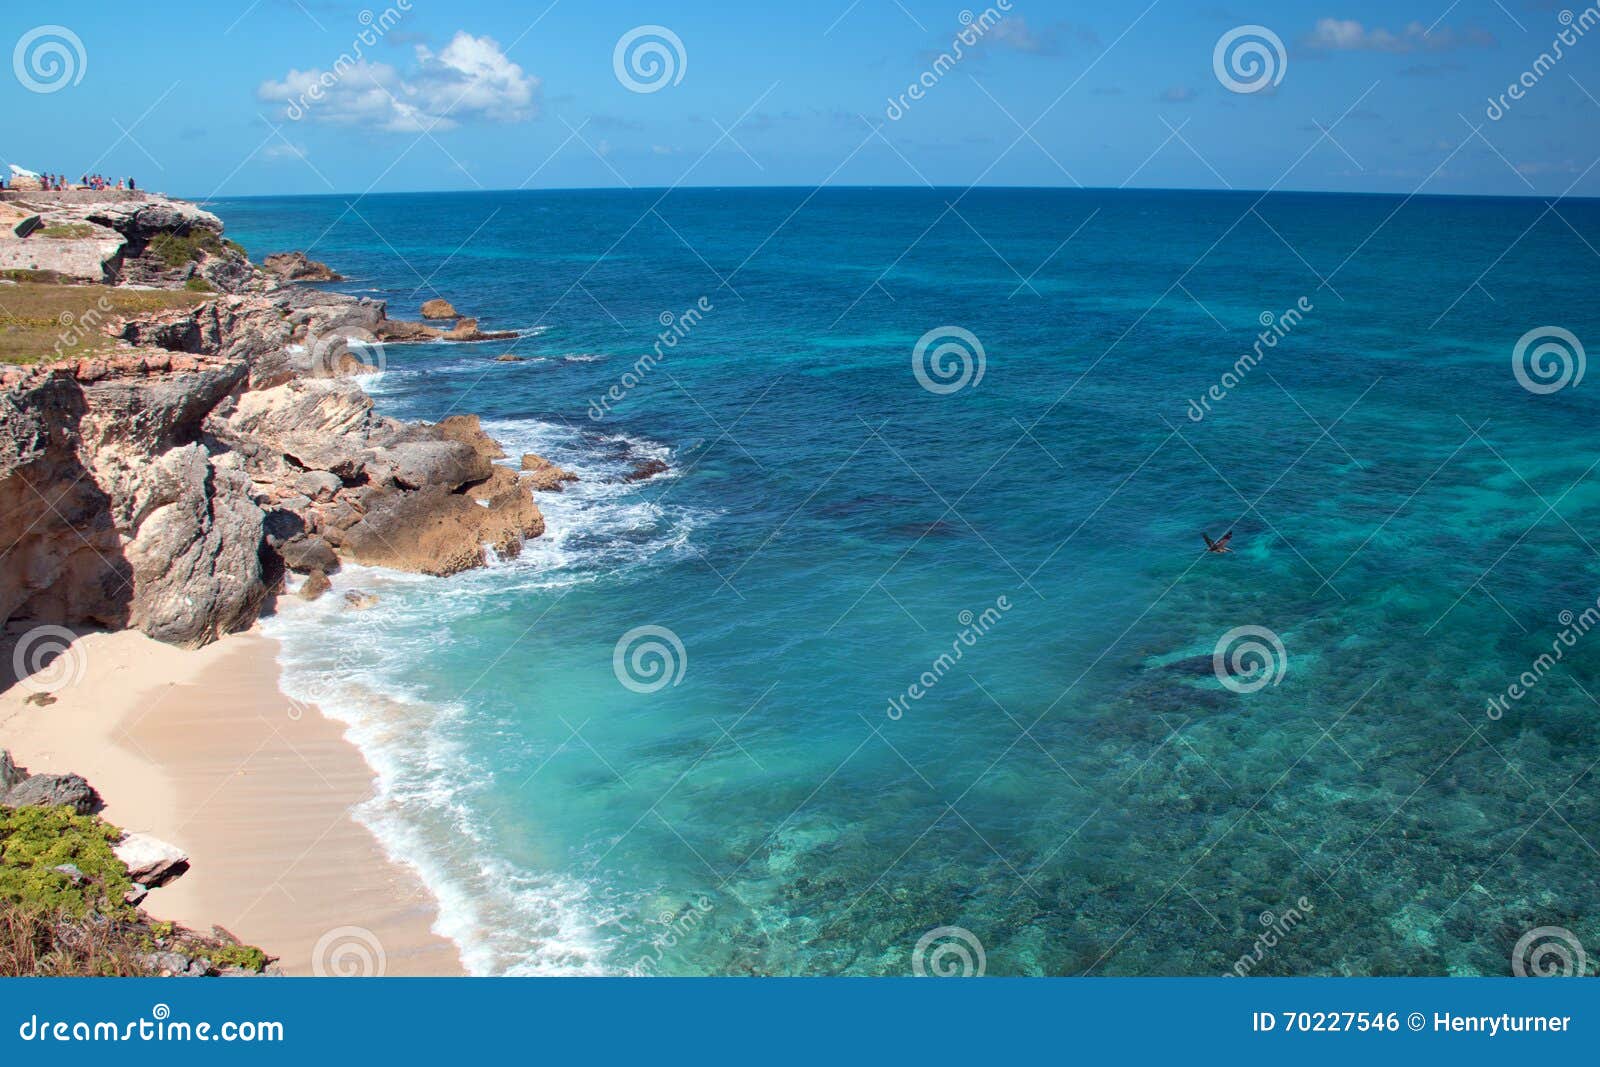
[(201, 749)]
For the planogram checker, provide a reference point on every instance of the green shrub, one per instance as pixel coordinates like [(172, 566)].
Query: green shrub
[(177, 248), (247, 957), (197, 284), (34, 841), (68, 230)]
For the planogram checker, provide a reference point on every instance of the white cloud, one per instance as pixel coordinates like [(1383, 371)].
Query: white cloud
[(470, 79), (1348, 35)]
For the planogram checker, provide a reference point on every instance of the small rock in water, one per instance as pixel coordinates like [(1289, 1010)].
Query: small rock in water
[(358, 600), (509, 357), (316, 584), (645, 469), (439, 309), (543, 476)]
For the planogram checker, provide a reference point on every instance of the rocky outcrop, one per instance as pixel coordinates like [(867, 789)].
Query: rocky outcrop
[(543, 476), (644, 469), (467, 330), (169, 486), (45, 790), (439, 309), (133, 239), (295, 267)]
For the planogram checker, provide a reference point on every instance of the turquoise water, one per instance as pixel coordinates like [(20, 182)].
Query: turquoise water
[(1078, 791)]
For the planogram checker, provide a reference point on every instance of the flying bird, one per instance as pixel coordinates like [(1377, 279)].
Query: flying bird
[(1220, 544)]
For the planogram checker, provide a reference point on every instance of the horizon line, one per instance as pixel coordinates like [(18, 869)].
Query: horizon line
[(889, 186)]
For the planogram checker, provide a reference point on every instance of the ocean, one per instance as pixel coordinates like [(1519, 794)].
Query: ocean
[(914, 660)]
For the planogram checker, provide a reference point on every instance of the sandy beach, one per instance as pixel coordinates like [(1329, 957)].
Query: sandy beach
[(200, 749)]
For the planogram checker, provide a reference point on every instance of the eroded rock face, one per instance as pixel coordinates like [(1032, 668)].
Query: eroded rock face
[(186, 473), (544, 476), (295, 267), (127, 238)]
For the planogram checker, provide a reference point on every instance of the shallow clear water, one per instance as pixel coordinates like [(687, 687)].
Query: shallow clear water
[(1077, 789)]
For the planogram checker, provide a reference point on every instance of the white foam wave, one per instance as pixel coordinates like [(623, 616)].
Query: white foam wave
[(429, 808)]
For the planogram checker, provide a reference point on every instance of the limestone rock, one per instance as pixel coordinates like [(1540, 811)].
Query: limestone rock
[(358, 600), (544, 476), (315, 585), (309, 554), (467, 330), (401, 331), (439, 309), (467, 429), (150, 861), (295, 267)]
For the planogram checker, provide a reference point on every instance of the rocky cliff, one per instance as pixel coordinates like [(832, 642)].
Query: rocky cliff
[(170, 483)]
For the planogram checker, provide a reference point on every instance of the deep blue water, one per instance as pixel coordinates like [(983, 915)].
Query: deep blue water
[(1077, 790)]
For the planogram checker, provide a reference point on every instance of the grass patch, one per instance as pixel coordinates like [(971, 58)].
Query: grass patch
[(198, 284), (35, 944), (41, 322), (68, 231)]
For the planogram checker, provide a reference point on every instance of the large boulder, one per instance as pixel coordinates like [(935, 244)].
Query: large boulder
[(439, 309), (436, 531), (150, 861), (52, 790)]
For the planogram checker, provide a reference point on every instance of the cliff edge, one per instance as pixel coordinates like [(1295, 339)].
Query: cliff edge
[(166, 467)]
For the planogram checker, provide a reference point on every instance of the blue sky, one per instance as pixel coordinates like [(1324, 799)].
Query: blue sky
[(1376, 97)]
